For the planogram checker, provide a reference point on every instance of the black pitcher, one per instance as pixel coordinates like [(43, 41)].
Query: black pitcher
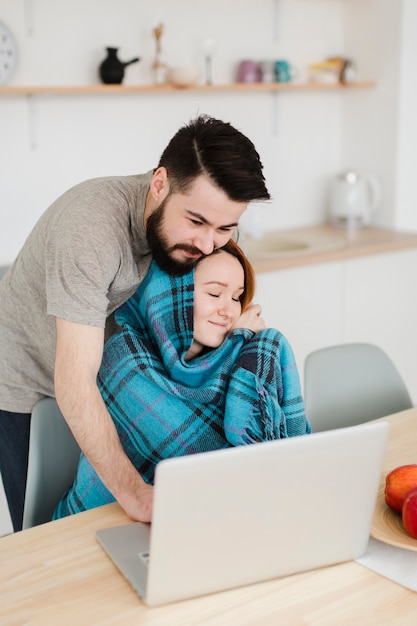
[(112, 70)]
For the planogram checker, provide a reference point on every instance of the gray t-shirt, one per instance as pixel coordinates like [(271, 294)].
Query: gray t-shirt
[(85, 257)]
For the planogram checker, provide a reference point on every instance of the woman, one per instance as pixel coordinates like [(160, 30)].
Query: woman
[(193, 369)]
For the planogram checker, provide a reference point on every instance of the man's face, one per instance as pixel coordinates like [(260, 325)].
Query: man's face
[(186, 227)]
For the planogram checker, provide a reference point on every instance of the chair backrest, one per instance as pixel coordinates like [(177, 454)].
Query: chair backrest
[(349, 384), (53, 461), (3, 270)]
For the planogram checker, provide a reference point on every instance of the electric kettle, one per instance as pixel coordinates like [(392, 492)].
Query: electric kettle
[(353, 199)]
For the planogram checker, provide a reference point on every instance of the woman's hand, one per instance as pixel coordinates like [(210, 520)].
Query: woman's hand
[(251, 319)]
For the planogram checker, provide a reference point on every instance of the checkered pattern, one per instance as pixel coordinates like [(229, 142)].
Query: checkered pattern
[(245, 391)]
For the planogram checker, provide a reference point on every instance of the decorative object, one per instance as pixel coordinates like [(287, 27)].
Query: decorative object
[(8, 53), (248, 72), (333, 70), (348, 72), (184, 76), (112, 70), (285, 72), (267, 71), (159, 67), (208, 45)]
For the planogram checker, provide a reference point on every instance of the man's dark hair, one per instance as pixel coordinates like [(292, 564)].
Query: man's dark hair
[(216, 149)]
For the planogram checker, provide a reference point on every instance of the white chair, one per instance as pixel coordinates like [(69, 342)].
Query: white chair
[(349, 384), (3, 270), (53, 461)]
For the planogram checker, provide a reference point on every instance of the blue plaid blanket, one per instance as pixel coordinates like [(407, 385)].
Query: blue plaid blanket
[(246, 391)]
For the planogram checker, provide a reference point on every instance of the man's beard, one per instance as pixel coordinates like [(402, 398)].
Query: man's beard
[(161, 250)]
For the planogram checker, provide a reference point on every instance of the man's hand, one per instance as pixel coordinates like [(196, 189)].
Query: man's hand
[(251, 319), (139, 508), (79, 351)]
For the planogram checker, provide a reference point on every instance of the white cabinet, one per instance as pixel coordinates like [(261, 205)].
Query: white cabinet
[(371, 299), (304, 303), (380, 306)]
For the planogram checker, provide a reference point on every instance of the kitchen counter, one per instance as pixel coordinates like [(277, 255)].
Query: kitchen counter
[(344, 244)]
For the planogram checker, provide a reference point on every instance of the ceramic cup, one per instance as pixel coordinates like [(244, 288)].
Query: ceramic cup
[(284, 71), (248, 72), (267, 70)]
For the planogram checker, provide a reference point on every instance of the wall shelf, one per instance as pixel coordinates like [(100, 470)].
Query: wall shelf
[(123, 89)]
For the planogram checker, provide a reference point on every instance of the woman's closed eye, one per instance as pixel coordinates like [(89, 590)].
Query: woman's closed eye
[(217, 295)]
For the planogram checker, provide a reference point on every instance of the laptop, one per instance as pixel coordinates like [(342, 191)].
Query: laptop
[(237, 516)]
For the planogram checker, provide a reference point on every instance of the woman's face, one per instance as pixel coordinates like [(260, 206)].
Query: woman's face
[(218, 283)]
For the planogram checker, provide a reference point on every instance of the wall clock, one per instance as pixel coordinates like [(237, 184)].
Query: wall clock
[(8, 53)]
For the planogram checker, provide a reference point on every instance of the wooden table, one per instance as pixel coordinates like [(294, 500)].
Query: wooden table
[(58, 574)]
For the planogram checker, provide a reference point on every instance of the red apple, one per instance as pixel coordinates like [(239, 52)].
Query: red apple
[(410, 513), (398, 483)]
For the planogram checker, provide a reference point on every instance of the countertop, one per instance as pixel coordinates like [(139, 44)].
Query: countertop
[(338, 244)]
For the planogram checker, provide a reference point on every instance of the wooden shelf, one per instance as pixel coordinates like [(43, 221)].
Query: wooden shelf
[(105, 89)]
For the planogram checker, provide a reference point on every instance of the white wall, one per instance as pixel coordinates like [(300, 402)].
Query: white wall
[(370, 120), (405, 166), (299, 135), (383, 122)]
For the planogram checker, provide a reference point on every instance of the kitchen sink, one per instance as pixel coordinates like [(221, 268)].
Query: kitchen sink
[(283, 244)]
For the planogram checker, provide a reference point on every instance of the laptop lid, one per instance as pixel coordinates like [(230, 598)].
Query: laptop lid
[(233, 517)]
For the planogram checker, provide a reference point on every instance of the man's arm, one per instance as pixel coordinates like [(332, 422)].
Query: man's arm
[(79, 351)]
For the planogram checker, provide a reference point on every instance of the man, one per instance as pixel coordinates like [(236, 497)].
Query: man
[(86, 255)]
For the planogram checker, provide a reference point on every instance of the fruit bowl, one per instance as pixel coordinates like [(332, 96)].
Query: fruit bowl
[(387, 526)]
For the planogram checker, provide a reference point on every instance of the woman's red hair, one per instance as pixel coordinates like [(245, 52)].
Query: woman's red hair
[(249, 273)]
